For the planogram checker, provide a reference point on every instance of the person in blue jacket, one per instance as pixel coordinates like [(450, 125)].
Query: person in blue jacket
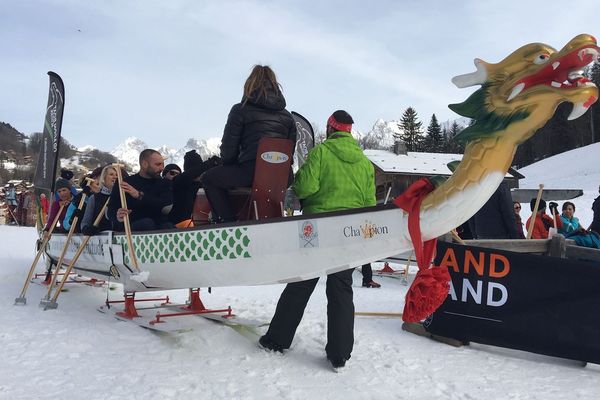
[(570, 222)]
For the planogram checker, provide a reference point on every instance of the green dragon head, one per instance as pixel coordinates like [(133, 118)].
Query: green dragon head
[(520, 93)]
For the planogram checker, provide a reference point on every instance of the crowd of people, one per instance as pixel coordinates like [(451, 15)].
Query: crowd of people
[(19, 206), (497, 220)]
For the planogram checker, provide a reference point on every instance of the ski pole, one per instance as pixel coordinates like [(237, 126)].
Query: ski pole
[(52, 304), (126, 217), (45, 300), (21, 299), (534, 213)]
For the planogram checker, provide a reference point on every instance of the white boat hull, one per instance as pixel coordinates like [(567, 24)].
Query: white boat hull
[(273, 251)]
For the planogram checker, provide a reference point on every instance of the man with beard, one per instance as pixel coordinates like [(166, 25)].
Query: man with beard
[(149, 197)]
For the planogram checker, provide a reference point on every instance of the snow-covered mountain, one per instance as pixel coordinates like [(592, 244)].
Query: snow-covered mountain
[(381, 136), (131, 148), (129, 151)]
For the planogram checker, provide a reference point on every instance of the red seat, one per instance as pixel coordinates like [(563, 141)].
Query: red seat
[(271, 174), (266, 197)]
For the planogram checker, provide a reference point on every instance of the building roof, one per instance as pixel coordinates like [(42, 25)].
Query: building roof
[(416, 163)]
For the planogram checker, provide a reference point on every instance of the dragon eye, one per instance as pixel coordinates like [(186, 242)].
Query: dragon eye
[(542, 58)]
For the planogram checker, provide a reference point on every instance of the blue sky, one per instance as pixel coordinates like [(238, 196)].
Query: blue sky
[(166, 71)]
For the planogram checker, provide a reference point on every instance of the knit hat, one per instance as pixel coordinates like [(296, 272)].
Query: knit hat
[(66, 174), (542, 205), (191, 160), (170, 167), (62, 183), (340, 120)]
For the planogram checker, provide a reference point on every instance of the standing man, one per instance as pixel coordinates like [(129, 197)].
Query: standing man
[(11, 202), (496, 219), (336, 176), (149, 198), (595, 225)]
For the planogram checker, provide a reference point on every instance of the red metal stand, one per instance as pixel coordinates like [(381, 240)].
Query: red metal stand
[(194, 307), (194, 303), (129, 312), (387, 269)]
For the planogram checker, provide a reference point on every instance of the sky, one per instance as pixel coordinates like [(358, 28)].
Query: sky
[(166, 71)]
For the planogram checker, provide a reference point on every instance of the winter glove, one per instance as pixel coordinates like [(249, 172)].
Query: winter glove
[(553, 207), (77, 213)]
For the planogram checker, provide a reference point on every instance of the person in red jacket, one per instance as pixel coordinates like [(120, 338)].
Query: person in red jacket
[(543, 222)]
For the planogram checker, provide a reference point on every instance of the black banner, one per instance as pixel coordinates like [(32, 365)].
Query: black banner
[(305, 139), (540, 304), (48, 157)]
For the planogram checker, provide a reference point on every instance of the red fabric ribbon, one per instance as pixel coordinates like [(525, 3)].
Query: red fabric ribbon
[(430, 287), (338, 125)]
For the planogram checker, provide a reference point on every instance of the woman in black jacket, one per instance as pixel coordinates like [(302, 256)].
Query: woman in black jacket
[(260, 113)]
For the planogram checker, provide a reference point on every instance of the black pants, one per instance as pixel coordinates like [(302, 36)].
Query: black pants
[(340, 314), (218, 180), (367, 273)]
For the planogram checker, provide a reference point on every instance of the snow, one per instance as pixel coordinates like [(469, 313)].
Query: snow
[(86, 148), (75, 352)]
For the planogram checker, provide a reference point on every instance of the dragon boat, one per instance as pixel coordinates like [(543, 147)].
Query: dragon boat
[(517, 96)]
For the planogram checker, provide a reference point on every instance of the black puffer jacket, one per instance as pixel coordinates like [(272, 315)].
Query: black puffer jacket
[(249, 122)]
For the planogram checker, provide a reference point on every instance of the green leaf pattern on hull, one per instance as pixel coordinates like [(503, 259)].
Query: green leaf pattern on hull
[(209, 245)]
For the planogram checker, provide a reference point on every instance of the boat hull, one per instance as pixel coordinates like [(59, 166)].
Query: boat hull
[(254, 253)]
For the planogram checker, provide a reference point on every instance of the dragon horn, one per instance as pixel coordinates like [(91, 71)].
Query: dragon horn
[(474, 78)]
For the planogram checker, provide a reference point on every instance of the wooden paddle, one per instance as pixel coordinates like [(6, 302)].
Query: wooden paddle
[(21, 299), (126, 217), (84, 243)]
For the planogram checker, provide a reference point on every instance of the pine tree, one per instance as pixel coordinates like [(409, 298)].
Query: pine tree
[(433, 142), (452, 145), (411, 130), (595, 108)]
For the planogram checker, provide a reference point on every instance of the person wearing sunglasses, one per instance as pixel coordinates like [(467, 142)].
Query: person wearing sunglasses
[(185, 186), (518, 221)]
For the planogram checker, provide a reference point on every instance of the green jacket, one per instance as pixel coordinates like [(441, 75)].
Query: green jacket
[(336, 176)]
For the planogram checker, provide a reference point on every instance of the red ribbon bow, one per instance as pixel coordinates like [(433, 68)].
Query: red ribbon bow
[(430, 287)]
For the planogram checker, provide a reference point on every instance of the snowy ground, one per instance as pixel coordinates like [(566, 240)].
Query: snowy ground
[(76, 352)]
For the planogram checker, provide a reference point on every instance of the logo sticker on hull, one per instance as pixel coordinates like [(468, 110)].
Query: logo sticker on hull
[(308, 234)]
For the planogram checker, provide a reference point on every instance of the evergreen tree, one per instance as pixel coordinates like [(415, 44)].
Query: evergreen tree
[(433, 142), (411, 130), (452, 145), (594, 111)]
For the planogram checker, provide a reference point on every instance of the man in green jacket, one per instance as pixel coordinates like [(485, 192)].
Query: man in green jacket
[(336, 176)]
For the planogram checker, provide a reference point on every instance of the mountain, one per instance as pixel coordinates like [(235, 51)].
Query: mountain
[(131, 148), (129, 151), (381, 136)]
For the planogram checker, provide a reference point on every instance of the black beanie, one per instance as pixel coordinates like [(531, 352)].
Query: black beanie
[(170, 167), (542, 205), (66, 174), (62, 183), (191, 160)]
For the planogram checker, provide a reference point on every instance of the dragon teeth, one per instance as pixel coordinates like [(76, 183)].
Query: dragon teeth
[(556, 84), (575, 75), (578, 110), (555, 64), (516, 90)]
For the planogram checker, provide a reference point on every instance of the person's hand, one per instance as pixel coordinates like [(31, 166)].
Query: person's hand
[(121, 213), (133, 192), (78, 213), (553, 206)]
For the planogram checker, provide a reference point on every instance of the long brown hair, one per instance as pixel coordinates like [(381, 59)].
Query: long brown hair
[(261, 79)]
